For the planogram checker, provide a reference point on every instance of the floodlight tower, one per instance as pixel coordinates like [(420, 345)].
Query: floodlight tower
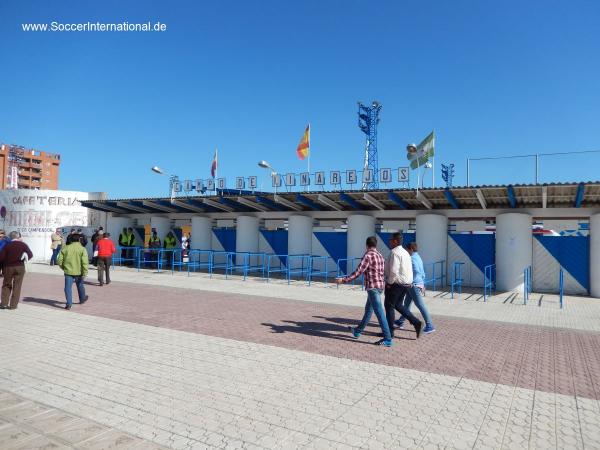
[(368, 118)]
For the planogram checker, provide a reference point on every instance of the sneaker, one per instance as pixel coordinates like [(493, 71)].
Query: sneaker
[(399, 324), (355, 333), (428, 329), (384, 342), (85, 299), (418, 327), (68, 307)]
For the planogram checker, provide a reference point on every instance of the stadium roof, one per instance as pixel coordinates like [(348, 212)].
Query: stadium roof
[(555, 195)]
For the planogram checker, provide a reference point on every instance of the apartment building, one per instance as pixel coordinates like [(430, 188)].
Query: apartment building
[(23, 168)]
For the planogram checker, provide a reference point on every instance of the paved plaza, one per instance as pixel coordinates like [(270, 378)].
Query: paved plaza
[(156, 361)]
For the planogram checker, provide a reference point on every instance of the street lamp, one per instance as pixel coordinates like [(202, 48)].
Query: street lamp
[(172, 180), (265, 165)]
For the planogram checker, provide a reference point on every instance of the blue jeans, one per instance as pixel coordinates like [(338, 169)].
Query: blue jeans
[(69, 280), (414, 295), (55, 253), (374, 304)]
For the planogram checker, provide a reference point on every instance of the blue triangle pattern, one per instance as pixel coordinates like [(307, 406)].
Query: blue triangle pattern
[(572, 253), (334, 243), (480, 248), (226, 237)]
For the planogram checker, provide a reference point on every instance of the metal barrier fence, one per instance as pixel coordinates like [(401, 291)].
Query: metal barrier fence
[(526, 284), (277, 264), (351, 265), (322, 268), (456, 280), (200, 259), (245, 262), (561, 286), (126, 254), (298, 265), (434, 278), (489, 281)]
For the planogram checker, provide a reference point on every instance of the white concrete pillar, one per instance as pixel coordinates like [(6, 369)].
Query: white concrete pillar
[(595, 255), (514, 250), (360, 227), (432, 237), (300, 231), (246, 234), (201, 233), (162, 225), (115, 225)]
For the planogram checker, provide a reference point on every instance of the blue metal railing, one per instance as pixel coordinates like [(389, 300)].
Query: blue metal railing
[(298, 265), (351, 264), (277, 264), (442, 273), (126, 254), (220, 260), (489, 281), (149, 257), (561, 286), (200, 259), (457, 280), (526, 284), (319, 267), (245, 262)]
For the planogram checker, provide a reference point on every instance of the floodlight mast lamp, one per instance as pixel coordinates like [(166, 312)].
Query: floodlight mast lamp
[(172, 180), (265, 165)]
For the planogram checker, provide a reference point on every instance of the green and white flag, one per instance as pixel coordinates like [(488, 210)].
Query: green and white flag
[(424, 151)]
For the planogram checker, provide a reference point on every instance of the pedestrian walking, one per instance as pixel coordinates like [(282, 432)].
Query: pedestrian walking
[(372, 266), (95, 238), (73, 260), (3, 241), (56, 240), (13, 257), (399, 280), (106, 249), (417, 290)]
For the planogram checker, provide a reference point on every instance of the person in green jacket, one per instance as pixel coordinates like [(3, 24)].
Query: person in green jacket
[(73, 260)]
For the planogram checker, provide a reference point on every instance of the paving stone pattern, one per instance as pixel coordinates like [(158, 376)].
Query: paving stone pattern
[(184, 369), (542, 358)]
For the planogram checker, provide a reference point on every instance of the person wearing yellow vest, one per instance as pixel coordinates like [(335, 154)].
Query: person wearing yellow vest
[(123, 243), (170, 243), (154, 245)]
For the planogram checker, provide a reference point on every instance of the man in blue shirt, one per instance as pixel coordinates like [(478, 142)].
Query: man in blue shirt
[(417, 290)]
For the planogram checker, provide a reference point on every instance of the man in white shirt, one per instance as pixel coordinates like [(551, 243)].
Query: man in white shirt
[(398, 280)]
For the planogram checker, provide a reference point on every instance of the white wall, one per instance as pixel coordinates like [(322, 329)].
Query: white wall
[(37, 213)]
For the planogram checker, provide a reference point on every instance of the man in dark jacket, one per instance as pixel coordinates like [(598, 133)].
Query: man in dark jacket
[(13, 257)]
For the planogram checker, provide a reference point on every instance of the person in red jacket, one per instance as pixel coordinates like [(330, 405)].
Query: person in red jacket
[(106, 249)]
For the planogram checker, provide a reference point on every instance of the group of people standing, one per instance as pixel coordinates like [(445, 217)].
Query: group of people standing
[(401, 279)]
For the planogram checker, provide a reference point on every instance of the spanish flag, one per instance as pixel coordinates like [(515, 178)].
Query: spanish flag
[(303, 149)]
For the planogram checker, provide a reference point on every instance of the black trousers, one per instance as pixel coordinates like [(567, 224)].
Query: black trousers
[(394, 301)]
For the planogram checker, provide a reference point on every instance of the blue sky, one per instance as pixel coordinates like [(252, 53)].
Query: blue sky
[(492, 78)]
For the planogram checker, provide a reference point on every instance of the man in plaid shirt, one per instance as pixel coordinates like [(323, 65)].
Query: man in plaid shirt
[(372, 265)]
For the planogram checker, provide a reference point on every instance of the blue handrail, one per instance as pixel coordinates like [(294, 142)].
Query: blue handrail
[(434, 278), (489, 281), (561, 286), (457, 279), (200, 259), (526, 284)]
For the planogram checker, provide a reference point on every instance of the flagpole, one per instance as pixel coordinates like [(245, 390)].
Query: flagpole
[(308, 162)]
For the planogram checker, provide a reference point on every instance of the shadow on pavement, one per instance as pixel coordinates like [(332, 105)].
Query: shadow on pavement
[(44, 301)]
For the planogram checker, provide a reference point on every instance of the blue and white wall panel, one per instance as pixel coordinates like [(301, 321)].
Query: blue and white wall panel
[(332, 244), (552, 252), (474, 250)]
